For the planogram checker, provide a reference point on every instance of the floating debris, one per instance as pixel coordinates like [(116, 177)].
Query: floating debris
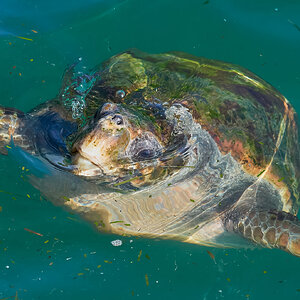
[(147, 256), (212, 256), (24, 38), (147, 279), (228, 279), (100, 223), (128, 180), (108, 262), (31, 231), (72, 219), (295, 25), (116, 243), (261, 173), (280, 179), (10, 297), (34, 31), (192, 200), (139, 256), (113, 222)]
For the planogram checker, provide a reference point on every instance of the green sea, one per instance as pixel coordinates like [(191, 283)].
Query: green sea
[(69, 259)]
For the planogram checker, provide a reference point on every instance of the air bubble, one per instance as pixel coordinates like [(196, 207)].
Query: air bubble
[(78, 105), (120, 93)]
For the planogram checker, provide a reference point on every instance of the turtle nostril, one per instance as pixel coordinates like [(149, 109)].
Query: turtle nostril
[(117, 119)]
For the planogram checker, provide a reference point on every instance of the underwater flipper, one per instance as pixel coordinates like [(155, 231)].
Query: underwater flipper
[(272, 229), (35, 165)]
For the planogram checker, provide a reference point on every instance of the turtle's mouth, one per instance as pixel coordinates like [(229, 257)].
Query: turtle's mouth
[(100, 150), (85, 167), (99, 155)]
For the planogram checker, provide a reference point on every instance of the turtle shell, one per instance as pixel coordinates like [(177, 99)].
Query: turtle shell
[(245, 115)]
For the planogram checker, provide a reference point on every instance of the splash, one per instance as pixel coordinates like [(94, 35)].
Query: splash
[(74, 95)]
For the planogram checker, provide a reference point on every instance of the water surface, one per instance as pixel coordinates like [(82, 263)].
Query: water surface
[(71, 260)]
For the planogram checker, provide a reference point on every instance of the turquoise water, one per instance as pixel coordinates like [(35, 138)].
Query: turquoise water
[(263, 36)]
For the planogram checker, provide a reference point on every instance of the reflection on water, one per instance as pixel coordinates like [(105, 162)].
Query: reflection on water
[(17, 16)]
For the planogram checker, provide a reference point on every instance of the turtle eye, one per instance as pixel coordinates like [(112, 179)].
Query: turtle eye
[(145, 154), (144, 147)]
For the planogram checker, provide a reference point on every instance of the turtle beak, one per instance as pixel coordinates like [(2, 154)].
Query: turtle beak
[(104, 145)]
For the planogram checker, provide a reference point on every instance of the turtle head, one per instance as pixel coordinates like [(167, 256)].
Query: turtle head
[(128, 144)]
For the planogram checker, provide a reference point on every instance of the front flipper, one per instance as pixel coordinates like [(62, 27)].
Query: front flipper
[(10, 120), (272, 229)]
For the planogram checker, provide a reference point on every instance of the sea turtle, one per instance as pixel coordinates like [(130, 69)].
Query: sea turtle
[(167, 145)]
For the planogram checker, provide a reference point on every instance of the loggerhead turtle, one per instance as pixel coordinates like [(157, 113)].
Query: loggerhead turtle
[(167, 145)]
